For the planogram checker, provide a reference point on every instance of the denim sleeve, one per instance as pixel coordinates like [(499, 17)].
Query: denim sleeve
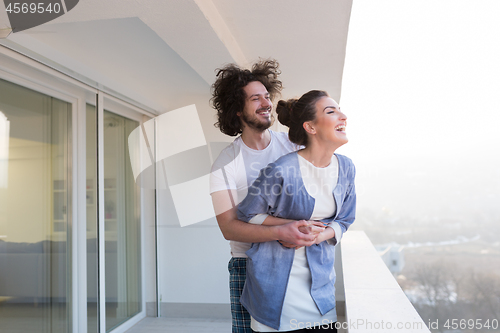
[(260, 198), (347, 214)]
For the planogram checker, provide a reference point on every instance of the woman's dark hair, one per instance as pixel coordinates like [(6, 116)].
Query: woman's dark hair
[(228, 96), (295, 112)]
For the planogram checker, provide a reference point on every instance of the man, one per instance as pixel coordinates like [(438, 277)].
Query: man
[(243, 100)]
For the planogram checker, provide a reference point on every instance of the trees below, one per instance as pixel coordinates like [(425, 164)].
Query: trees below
[(443, 290)]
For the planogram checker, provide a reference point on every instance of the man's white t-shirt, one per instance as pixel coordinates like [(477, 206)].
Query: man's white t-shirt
[(238, 166)]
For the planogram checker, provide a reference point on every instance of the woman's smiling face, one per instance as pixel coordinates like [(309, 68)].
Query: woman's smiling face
[(330, 123)]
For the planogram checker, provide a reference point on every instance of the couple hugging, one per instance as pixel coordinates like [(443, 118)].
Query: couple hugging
[(283, 200)]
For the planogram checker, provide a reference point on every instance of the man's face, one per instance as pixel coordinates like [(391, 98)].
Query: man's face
[(257, 111)]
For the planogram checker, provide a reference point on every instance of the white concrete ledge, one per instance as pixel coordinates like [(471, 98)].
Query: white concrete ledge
[(373, 299)]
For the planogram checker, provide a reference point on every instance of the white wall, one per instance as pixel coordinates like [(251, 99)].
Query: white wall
[(193, 259)]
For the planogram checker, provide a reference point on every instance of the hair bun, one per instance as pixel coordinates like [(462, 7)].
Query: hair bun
[(284, 111)]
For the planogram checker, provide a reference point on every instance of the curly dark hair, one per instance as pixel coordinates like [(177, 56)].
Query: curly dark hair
[(228, 96)]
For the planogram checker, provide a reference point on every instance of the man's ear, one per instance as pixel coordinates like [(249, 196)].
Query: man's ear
[(309, 127)]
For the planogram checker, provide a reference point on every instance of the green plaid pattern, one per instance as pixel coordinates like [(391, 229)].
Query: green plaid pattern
[(237, 275)]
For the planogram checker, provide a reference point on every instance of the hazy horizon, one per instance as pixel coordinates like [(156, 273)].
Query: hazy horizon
[(420, 90)]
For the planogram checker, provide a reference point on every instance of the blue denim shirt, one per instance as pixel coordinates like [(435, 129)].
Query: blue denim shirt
[(279, 191)]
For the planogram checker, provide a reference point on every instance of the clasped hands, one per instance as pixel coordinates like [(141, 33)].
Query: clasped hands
[(311, 228)]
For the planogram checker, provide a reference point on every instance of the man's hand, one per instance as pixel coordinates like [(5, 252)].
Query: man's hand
[(297, 234), (314, 227)]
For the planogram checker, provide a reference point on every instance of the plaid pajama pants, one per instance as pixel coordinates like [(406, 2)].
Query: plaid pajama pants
[(237, 275)]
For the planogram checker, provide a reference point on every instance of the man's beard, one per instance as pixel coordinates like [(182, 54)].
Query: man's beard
[(254, 123)]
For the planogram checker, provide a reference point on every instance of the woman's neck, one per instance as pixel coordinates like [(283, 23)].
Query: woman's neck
[(319, 156)]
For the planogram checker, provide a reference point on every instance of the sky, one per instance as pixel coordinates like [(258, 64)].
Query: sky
[(421, 88)]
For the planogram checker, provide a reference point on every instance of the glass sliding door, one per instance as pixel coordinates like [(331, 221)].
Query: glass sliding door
[(122, 223), (35, 211), (68, 200)]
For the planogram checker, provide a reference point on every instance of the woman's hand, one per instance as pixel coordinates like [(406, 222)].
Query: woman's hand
[(289, 245), (314, 227), (326, 234)]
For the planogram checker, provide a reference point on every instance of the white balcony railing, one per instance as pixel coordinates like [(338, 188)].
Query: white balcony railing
[(374, 302)]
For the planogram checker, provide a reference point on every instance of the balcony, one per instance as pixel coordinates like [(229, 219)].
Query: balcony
[(368, 298), (374, 302)]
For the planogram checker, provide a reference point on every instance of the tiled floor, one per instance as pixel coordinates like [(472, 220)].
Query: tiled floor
[(181, 325), (186, 325)]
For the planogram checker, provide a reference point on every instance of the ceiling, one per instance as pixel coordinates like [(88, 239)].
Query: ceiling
[(150, 50)]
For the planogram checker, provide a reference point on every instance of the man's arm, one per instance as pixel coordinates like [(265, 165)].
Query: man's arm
[(234, 229)]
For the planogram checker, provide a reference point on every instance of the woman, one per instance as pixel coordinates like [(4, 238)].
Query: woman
[(290, 289)]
